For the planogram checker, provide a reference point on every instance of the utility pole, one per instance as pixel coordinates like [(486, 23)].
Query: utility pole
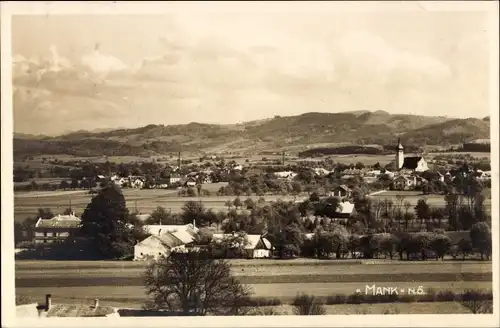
[(283, 158), (136, 212)]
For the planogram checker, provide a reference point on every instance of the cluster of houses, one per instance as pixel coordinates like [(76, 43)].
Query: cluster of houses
[(162, 240)]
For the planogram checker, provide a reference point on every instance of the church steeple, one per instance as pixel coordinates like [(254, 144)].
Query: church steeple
[(400, 157), (400, 146)]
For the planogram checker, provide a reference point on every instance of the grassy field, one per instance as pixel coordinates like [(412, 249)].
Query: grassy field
[(145, 201), (414, 196), (120, 283)]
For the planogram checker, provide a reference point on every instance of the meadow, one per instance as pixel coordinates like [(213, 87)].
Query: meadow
[(70, 281), (143, 200)]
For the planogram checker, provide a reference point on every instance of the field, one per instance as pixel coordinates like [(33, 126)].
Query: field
[(432, 200), (120, 283), (144, 200)]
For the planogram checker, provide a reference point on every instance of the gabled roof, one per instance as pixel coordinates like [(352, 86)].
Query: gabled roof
[(343, 187), (167, 240), (59, 221), (253, 240), (346, 208), (157, 229), (411, 163)]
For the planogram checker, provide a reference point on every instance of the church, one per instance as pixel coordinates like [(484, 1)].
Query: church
[(409, 163)]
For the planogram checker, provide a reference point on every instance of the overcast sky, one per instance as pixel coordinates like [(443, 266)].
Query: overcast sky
[(86, 72)]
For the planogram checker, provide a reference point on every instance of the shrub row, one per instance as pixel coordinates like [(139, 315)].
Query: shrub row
[(430, 296)]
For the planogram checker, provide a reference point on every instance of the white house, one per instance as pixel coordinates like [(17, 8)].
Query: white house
[(404, 183), (174, 179), (155, 246), (137, 183), (57, 229), (258, 246), (321, 171), (289, 175)]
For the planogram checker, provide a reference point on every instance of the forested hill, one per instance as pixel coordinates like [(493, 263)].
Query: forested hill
[(292, 133)]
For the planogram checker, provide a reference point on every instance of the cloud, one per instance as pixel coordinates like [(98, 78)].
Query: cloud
[(236, 70)]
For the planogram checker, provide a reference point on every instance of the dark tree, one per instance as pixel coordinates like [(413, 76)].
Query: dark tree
[(195, 284), (193, 211), (108, 226), (45, 213), (480, 235)]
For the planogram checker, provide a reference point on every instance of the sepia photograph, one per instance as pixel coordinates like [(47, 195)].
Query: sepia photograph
[(305, 160)]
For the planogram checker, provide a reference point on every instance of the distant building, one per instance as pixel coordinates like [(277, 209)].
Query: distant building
[(137, 183), (174, 179), (156, 246), (57, 229), (341, 191), (410, 163), (287, 175), (258, 246), (404, 183)]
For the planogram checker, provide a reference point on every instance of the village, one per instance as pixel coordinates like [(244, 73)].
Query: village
[(405, 174)]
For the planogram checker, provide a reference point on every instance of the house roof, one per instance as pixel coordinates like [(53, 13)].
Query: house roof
[(59, 221), (184, 236), (346, 208), (343, 187), (166, 240), (411, 163), (157, 229), (253, 240), (79, 310)]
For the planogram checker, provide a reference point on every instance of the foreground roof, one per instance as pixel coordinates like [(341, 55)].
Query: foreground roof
[(79, 310)]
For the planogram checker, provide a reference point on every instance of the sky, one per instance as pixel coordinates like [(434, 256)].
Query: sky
[(108, 71)]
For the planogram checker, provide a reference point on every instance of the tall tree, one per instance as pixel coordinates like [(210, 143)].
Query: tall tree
[(108, 226), (422, 210)]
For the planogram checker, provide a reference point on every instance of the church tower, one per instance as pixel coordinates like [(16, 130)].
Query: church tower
[(400, 156)]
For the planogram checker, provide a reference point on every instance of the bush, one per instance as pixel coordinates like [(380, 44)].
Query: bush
[(262, 311), (308, 305), (264, 301), (336, 299), (446, 296)]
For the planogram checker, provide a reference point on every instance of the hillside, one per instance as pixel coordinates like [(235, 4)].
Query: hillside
[(293, 133)]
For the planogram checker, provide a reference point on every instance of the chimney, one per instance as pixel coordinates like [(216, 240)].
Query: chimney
[(194, 223), (48, 301), (96, 303)]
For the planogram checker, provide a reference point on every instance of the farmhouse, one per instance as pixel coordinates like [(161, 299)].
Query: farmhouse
[(258, 246), (137, 182), (57, 229), (341, 191), (404, 183), (288, 175), (174, 179), (155, 246), (321, 171), (410, 163)]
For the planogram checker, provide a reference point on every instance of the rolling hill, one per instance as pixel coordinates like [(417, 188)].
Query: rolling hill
[(292, 133)]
